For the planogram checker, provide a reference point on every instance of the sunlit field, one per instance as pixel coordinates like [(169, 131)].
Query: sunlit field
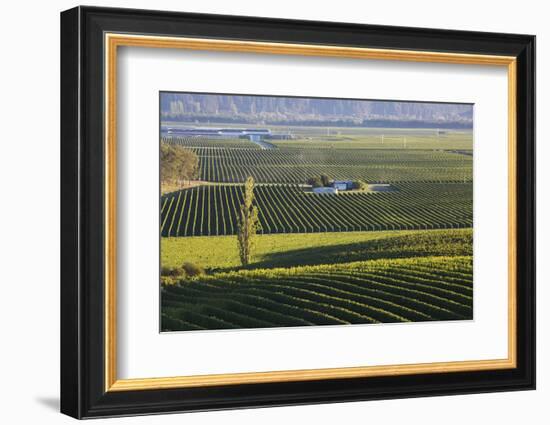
[(362, 256)]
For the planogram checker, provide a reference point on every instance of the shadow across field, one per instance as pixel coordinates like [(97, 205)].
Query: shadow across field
[(407, 246)]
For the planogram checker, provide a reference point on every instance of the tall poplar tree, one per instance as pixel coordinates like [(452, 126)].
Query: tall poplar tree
[(248, 223)]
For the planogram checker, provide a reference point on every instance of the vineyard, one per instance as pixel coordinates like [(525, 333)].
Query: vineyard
[(378, 291), (212, 210), (356, 257), (295, 165), (205, 142), (218, 253)]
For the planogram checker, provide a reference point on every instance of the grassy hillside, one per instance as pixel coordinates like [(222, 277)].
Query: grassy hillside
[(378, 291)]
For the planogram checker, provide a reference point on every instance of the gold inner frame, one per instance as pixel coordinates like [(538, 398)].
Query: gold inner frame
[(113, 41)]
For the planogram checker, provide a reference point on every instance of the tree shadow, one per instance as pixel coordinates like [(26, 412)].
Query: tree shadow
[(333, 254), (399, 246)]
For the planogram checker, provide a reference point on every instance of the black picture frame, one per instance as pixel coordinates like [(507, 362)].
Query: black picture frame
[(82, 212)]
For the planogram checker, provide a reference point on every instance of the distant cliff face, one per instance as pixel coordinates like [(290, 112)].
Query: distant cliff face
[(273, 110)]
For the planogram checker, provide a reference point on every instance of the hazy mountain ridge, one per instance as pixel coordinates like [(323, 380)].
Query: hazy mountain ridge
[(272, 110)]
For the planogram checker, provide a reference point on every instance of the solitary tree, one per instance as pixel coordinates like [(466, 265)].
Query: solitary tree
[(325, 180), (248, 223)]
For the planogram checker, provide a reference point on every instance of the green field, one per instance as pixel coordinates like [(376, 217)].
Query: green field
[(282, 250), (383, 139), (320, 259)]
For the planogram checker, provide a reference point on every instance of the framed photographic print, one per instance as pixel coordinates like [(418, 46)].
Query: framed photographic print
[(261, 212)]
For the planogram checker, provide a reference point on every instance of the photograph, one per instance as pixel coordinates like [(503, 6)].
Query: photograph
[(285, 211), (262, 211)]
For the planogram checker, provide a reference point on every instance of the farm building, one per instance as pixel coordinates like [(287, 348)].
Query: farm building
[(326, 190), (253, 137), (342, 184)]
